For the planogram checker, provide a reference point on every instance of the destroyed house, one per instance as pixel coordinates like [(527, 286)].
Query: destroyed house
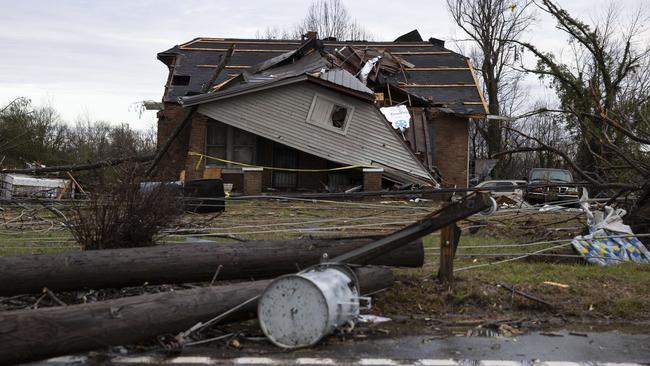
[(308, 115)]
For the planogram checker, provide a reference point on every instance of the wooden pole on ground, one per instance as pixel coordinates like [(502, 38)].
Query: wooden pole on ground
[(31, 335), (190, 262)]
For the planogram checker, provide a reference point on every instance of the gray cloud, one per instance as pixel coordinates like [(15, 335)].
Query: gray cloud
[(100, 56)]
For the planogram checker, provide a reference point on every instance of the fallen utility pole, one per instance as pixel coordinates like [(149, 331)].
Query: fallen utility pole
[(79, 167), (31, 335), (178, 263), (436, 220), (190, 113)]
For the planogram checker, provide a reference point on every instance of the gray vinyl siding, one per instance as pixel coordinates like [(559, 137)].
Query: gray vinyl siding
[(280, 114)]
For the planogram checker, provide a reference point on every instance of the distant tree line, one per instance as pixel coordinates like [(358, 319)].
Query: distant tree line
[(35, 135)]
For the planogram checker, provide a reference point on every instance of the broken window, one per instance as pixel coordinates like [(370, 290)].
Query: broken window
[(329, 114), (181, 80), (338, 116), (229, 143)]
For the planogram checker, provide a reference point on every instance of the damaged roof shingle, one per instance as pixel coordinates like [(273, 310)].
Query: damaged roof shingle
[(441, 76)]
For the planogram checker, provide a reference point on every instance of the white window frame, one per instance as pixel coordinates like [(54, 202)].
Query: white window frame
[(327, 124)]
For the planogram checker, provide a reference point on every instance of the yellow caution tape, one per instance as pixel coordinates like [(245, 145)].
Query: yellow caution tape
[(201, 156)]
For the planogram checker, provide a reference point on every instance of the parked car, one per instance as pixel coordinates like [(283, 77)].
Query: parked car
[(543, 177), (503, 187)]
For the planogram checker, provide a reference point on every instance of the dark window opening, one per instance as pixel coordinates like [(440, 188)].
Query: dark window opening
[(339, 115), (229, 143), (181, 80)]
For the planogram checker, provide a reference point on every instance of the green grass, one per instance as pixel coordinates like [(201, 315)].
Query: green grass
[(613, 292)]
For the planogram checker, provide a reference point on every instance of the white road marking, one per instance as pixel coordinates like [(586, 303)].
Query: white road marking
[(68, 359), (254, 361), (429, 362), (192, 359), (499, 363), (560, 363), (133, 359), (377, 361), (315, 361)]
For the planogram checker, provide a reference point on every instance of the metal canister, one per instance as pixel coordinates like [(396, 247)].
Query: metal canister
[(299, 310)]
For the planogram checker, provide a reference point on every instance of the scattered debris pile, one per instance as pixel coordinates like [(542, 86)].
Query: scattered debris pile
[(609, 241)]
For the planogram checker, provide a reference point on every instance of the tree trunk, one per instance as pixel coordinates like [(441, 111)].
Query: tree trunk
[(30, 335), (180, 263), (639, 216)]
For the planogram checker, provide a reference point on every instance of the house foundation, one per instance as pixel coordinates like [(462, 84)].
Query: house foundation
[(372, 179)]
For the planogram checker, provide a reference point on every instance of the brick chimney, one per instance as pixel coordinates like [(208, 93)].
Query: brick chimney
[(310, 35)]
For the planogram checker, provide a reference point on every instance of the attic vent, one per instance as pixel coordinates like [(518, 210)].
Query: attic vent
[(329, 114), (181, 80)]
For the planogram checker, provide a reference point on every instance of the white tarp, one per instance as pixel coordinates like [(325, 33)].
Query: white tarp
[(398, 116)]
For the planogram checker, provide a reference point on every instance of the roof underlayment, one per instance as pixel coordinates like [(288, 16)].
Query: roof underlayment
[(442, 77)]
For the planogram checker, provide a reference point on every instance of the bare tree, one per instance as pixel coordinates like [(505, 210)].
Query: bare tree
[(604, 97), (329, 18), (492, 24)]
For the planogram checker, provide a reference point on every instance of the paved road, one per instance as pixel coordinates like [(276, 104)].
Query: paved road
[(606, 348)]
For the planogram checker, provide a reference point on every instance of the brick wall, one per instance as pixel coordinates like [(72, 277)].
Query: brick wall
[(450, 148), (372, 180), (196, 143), (173, 161)]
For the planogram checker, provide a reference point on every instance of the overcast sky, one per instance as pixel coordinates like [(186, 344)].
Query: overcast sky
[(95, 58)]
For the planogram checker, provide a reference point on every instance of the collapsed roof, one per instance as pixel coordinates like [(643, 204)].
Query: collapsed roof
[(423, 70)]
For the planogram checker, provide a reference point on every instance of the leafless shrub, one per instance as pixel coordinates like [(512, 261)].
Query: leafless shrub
[(118, 214)]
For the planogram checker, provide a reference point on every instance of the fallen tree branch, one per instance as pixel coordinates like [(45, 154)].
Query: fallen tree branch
[(79, 167), (525, 295)]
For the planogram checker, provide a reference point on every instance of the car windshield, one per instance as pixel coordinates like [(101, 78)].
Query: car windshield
[(551, 175)]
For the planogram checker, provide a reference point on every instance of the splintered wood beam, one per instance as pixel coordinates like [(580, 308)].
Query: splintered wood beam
[(480, 92)]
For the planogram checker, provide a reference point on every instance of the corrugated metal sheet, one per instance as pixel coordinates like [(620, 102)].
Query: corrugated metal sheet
[(307, 64), (280, 115), (346, 80)]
